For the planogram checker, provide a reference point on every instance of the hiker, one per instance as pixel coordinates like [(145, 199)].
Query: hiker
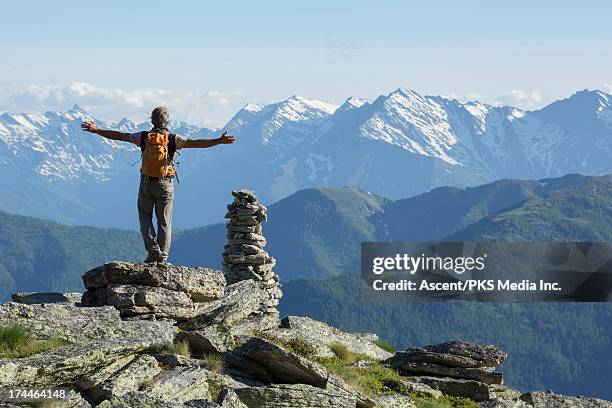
[(157, 170)]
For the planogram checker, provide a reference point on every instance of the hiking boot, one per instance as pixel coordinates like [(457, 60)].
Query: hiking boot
[(153, 257)]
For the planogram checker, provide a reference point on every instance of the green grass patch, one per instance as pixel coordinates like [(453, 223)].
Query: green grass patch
[(295, 345), (384, 345), (214, 362), (16, 341)]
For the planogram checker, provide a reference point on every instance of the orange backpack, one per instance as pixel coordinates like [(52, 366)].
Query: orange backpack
[(158, 151)]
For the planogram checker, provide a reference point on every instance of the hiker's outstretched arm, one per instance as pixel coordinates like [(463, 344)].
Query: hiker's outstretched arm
[(90, 126), (204, 143)]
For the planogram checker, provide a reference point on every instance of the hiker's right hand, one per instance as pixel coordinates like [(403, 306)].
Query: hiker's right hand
[(88, 126)]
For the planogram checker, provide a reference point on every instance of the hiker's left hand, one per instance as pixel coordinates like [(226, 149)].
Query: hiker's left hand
[(88, 126), (226, 139)]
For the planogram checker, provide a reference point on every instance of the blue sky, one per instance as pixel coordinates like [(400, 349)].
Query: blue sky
[(206, 59)]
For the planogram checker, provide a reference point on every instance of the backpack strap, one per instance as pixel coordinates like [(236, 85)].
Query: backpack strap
[(171, 147), (143, 140)]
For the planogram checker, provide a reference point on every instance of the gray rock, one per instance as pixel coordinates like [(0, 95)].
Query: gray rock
[(321, 336), (66, 364), (420, 355), (43, 297), (134, 300), (488, 356), (550, 400), (478, 374), (292, 396), (241, 300), (215, 338), (182, 384), (283, 366), (129, 378), (504, 403), (78, 324), (202, 284), (421, 389), (176, 360), (394, 401), (88, 381), (229, 399), (139, 399), (457, 387)]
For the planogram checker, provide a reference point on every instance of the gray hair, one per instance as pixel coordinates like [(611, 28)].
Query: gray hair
[(160, 117)]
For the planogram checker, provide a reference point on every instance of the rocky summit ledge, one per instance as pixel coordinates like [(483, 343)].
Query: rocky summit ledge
[(153, 336)]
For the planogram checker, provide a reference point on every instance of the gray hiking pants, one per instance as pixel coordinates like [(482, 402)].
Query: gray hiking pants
[(158, 196)]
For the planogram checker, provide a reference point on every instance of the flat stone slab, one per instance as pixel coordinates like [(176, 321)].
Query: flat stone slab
[(457, 387), (478, 374), (486, 355), (283, 366), (321, 336), (550, 400), (30, 298), (78, 324), (202, 284), (293, 395)]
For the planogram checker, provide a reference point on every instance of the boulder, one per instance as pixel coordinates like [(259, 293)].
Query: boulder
[(215, 338), (487, 356), (292, 396), (182, 384), (504, 403), (241, 300), (133, 300), (457, 387), (394, 401), (551, 400), (79, 324), (129, 378), (421, 389), (201, 284), (45, 297), (321, 336), (67, 364), (478, 374), (283, 366)]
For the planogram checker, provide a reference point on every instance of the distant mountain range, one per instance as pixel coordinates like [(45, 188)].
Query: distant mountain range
[(396, 146)]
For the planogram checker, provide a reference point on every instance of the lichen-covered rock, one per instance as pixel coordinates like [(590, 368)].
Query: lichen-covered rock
[(134, 300), (202, 284), (479, 374), (241, 300), (78, 324), (485, 355), (504, 403), (293, 396), (283, 366), (421, 389), (215, 338), (45, 297), (182, 384), (129, 378), (321, 336), (394, 401), (457, 387), (551, 400), (66, 364)]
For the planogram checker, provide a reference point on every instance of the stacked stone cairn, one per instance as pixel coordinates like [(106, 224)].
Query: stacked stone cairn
[(244, 256)]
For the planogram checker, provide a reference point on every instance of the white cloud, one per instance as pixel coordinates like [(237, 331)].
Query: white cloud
[(526, 100), (338, 48), (211, 108), (608, 87), (520, 99)]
